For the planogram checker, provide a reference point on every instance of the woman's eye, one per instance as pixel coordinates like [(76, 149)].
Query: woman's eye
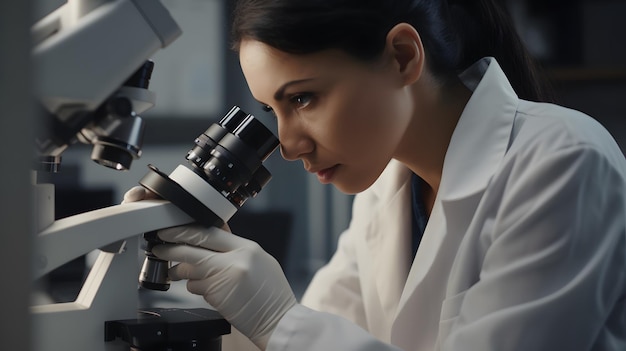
[(301, 100)]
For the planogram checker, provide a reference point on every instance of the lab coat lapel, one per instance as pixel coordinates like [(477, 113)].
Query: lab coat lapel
[(425, 289), (485, 128), (389, 245)]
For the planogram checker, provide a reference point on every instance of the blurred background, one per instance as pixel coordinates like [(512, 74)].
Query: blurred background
[(581, 45)]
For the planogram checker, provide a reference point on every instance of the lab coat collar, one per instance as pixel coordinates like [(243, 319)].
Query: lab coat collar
[(484, 127)]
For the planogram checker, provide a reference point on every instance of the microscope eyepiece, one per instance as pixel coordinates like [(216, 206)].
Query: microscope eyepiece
[(224, 169), (229, 154), (257, 136)]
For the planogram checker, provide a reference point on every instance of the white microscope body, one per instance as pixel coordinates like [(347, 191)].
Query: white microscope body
[(83, 53)]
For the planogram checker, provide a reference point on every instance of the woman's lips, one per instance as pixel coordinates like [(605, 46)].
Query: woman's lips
[(325, 176)]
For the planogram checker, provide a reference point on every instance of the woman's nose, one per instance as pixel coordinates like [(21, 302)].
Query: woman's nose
[(294, 142)]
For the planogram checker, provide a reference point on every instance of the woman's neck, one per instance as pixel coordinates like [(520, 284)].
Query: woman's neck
[(426, 141)]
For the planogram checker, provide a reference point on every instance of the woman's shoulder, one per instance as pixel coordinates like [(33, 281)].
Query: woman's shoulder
[(546, 128)]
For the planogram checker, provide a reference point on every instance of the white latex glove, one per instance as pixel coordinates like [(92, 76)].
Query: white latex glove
[(235, 276), (138, 193)]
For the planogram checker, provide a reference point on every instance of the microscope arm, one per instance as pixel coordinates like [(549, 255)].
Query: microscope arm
[(109, 291), (71, 237)]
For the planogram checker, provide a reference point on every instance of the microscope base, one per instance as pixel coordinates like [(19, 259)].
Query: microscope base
[(171, 329), (79, 325)]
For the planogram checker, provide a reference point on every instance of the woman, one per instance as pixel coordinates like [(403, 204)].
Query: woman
[(485, 218)]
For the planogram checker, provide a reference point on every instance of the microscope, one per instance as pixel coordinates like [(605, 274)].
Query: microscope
[(91, 60)]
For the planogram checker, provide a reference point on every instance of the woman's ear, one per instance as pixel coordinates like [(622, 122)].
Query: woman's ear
[(407, 52)]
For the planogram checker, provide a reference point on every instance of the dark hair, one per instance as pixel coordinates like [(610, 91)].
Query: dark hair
[(455, 33)]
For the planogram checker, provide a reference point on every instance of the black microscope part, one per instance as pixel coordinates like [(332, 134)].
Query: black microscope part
[(170, 329)]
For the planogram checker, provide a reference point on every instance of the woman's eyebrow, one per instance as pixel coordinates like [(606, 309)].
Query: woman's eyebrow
[(278, 95)]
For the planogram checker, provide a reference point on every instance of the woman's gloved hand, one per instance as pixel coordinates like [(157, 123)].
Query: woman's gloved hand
[(138, 193), (234, 275)]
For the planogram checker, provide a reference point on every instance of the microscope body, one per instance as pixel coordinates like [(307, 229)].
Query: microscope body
[(224, 169), (91, 60), (91, 64)]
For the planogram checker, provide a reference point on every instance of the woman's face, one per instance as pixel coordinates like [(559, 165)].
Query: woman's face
[(342, 117)]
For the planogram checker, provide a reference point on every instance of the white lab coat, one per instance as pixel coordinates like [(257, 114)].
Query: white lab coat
[(525, 248)]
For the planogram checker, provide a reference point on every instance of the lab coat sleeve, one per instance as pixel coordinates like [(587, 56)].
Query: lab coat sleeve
[(304, 329), (554, 266)]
